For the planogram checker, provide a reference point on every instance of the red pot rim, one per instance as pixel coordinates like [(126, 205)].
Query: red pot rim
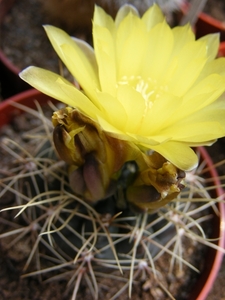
[(221, 243), (8, 112), (219, 25), (8, 64)]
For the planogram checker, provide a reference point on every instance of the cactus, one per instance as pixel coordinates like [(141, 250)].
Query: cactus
[(84, 243)]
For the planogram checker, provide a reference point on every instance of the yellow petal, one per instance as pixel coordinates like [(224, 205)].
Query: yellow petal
[(159, 47), (129, 33), (148, 141), (123, 12), (182, 36), (113, 110), (164, 107), (112, 130), (212, 44), (212, 87), (216, 66), (199, 97), (82, 67), (195, 132), (153, 16), (134, 105), (190, 62), (102, 19), (207, 123), (105, 54), (59, 88), (179, 154), (103, 39), (90, 85), (88, 51), (213, 112)]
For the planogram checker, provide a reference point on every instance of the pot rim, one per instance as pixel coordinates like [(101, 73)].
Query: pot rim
[(221, 243)]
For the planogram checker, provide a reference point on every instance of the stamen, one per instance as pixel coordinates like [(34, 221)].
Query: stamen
[(147, 88)]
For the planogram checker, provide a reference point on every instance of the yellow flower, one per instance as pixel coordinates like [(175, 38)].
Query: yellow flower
[(143, 82)]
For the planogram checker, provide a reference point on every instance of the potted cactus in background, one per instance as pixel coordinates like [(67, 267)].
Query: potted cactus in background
[(117, 200)]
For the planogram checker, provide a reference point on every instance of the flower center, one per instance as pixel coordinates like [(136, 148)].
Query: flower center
[(143, 88), (149, 89)]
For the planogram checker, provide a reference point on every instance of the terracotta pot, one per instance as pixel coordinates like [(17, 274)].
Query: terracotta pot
[(213, 258)]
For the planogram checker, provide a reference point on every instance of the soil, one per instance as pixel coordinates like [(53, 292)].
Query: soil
[(30, 49)]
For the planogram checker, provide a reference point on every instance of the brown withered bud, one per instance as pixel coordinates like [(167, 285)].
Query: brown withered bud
[(156, 185), (94, 158)]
